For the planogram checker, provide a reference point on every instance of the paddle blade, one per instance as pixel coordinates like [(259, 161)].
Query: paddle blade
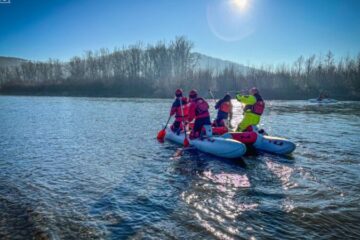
[(161, 134), (186, 142)]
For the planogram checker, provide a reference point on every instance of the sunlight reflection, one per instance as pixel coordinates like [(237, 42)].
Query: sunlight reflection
[(235, 180), (178, 154), (237, 113), (283, 173), (218, 210), (211, 229), (288, 205)]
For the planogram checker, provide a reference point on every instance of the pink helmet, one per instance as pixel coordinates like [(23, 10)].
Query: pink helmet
[(253, 91), (179, 92), (193, 94)]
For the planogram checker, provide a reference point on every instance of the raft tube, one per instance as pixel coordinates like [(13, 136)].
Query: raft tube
[(263, 143), (274, 144), (217, 146)]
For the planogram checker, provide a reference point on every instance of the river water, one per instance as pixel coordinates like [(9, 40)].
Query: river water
[(91, 168)]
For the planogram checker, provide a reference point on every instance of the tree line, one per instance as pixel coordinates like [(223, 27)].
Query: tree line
[(157, 70)]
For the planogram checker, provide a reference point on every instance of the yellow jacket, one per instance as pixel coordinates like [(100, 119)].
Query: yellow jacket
[(246, 99), (250, 118)]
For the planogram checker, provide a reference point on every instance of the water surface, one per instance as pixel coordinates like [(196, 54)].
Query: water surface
[(91, 168)]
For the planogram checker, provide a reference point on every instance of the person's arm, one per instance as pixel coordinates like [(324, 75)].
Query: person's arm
[(217, 105), (246, 99), (173, 108), (192, 108), (230, 111)]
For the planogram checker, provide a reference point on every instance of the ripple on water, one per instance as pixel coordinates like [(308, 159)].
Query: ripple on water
[(91, 168)]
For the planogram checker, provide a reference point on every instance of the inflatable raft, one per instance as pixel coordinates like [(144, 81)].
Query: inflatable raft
[(217, 146), (263, 143), (260, 141)]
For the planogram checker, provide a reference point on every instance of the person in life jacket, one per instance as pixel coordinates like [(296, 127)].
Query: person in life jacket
[(199, 110), (254, 108), (323, 95), (176, 110), (224, 108)]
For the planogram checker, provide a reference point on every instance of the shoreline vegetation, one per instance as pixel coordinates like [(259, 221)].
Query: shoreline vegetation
[(154, 71)]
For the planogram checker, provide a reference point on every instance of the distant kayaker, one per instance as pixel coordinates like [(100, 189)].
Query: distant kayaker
[(321, 96), (199, 110), (177, 126), (254, 108), (224, 108)]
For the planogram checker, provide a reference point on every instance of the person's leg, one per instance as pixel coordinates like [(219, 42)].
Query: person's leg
[(207, 126), (195, 132), (214, 123), (208, 130), (175, 127), (248, 120), (243, 125), (221, 118), (219, 122)]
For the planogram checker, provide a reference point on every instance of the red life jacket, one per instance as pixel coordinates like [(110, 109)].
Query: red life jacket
[(202, 107), (258, 108), (225, 107), (185, 110)]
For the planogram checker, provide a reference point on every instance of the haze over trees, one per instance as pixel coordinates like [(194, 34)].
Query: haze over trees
[(156, 70)]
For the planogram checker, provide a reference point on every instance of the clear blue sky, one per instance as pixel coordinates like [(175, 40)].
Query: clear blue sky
[(263, 31)]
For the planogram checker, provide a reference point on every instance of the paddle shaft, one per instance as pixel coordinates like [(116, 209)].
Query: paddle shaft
[(167, 122), (183, 117), (212, 95)]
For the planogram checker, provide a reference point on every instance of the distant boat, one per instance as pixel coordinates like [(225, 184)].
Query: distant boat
[(322, 100)]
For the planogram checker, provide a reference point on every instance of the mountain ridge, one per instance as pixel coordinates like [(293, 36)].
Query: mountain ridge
[(218, 64), (6, 61)]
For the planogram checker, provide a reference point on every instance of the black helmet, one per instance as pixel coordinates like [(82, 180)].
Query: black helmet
[(227, 97)]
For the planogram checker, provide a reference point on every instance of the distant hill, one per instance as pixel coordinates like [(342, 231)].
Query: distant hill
[(218, 65), (10, 61), (204, 62)]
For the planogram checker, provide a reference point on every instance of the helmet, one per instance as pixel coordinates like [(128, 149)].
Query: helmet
[(253, 91), (178, 92), (184, 100), (193, 93), (227, 97)]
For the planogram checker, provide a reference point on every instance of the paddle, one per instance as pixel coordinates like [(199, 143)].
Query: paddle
[(186, 141), (162, 132), (212, 95)]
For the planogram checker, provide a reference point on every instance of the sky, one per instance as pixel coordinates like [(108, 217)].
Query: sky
[(250, 32)]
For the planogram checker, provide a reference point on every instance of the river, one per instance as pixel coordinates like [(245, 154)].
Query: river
[(91, 168)]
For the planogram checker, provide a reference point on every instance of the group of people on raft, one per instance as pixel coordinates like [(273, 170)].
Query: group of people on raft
[(196, 108)]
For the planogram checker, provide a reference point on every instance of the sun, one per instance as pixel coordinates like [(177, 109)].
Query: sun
[(240, 4)]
